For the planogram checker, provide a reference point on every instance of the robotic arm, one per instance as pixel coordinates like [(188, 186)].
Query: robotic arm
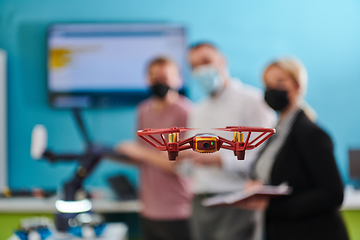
[(87, 162)]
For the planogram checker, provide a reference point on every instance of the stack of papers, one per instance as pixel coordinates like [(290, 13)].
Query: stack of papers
[(234, 197)]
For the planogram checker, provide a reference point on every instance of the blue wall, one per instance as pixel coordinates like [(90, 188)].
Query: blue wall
[(324, 34)]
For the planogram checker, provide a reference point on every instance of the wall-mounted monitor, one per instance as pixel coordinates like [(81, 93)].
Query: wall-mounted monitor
[(104, 65), (354, 164)]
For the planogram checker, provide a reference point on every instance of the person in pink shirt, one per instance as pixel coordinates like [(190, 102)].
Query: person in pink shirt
[(165, 196)]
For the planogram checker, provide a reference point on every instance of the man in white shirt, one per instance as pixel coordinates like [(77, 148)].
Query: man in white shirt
[(229, 103)]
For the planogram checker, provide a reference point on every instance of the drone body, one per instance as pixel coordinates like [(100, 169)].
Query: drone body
[(206, 142)]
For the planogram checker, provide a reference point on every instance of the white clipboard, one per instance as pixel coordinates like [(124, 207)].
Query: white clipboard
[(231, 198)]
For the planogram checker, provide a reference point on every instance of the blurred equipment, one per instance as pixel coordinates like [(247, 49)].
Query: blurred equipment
[(36, 228), (206, 142), (24, 192), (3, 117), (85, 226), (75, 199), (354, 167), (122, 187), (102, 65)]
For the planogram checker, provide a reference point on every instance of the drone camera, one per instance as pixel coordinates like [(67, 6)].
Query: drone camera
[(206, 143)]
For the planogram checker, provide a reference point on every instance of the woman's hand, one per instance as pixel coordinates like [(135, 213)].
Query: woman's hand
[(140, 154), (257, 203), (253, 185)]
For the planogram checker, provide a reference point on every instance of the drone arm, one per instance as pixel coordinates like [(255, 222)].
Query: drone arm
[(224, 140), (257, 138), (164, 141), (247, 140), (161, 147), (155, 140), (266, 137), (182, 145), (185, 147), (229, 146)]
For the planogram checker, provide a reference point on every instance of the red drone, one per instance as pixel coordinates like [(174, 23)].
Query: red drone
[(206, 142)]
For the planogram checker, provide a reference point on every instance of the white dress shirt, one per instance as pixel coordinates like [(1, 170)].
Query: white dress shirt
[(237, 105)]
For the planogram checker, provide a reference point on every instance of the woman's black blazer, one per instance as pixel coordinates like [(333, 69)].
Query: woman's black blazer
[(306, 162)]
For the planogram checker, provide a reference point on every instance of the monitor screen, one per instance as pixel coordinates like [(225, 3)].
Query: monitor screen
[(102, 65), (354, 164)]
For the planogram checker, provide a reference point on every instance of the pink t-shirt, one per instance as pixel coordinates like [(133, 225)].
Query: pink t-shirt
[(165, 196)]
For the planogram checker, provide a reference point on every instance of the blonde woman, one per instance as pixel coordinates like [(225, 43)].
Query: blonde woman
[(300, 154)]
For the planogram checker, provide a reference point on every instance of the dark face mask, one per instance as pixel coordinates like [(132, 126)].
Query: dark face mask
[(276, 99), (159, 90)]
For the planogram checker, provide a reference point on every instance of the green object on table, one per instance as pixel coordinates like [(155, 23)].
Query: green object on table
[(10, 222), (352, 221)]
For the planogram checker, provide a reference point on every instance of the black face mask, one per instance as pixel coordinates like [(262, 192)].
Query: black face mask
[(276, 99), (159, 90)]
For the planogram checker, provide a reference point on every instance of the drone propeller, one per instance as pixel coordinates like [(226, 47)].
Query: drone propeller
[(149, 131), (246, 129), (239, 145), (173, 146)]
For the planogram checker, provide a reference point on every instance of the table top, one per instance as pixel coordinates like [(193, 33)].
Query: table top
[(34, 205), (351, 198)]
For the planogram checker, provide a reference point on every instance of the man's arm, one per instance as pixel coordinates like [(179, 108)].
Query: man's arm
[(140, 154)]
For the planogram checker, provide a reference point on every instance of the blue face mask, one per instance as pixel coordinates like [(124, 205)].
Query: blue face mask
[(208, 77)]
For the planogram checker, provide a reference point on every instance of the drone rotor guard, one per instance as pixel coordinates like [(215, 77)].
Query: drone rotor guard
[(173, 147), (239, 147)]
